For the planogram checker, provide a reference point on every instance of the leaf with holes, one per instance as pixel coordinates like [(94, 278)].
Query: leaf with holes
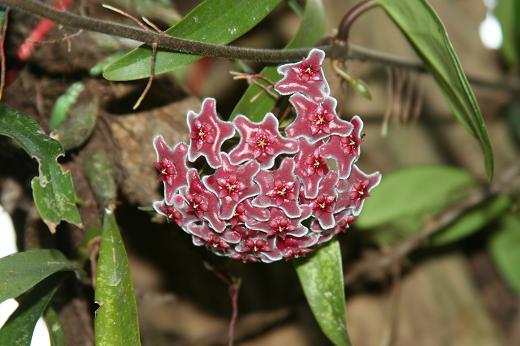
[(426, 33), (53, 191), (312, 28), (212, 21)]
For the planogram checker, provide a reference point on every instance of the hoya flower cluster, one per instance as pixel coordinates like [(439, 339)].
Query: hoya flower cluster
[(270, 196)]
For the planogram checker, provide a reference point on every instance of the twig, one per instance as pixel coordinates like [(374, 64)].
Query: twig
[(233, 293), (58, 40), (150, 79), (125, 14), (435, 224), (389, 100), (2, 52), (354, 13), (353, 52), (249, 76), (233, 284)]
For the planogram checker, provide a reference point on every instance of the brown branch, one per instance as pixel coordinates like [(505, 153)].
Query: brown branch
[(354, 52), (2, 52), (394, 255)]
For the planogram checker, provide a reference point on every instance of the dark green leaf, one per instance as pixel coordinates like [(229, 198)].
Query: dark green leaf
[(26, 269), (423, 28), (213, 21), (18, 329), (53, 191), (55, 329), (473, 220), (504, 248), (321, 276), (116, 321), (312, 28), (414, 192)]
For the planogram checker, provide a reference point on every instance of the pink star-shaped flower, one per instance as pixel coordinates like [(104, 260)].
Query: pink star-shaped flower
[(345, 149), (343, 221), (244, 233), (233, 184), (316, 120), (197, 203), (246, 211), (205, 232), (279, 188), (207, 133), (171, 164), (293, 247), (264, 248), (280, 225), (311, 166), (323, 206), (355, 189), (260, 141), (305, 77), (168, 211)]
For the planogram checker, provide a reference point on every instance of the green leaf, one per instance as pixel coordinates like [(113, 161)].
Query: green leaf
[(426, 33), (361, 88), (63, 104), (100, 174), (19, 328), (26, 269), (312, 28), (504, 247), (508, 14), (414, 192), (55, 329), (213, 21), (53, 191), (321, 277), (116, 322), (473, 220)]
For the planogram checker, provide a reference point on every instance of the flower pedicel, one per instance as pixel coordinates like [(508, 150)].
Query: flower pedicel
[(271, 196)]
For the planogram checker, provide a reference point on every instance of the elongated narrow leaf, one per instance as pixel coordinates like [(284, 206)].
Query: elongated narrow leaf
[(213, 21), (321, 277), (116, 321), (19, 328), (26, 269), (424, 30), (312, 28), (53, 191), (504, 247)]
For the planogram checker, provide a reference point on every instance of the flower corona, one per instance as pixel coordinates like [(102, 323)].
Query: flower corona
[(271, 196)]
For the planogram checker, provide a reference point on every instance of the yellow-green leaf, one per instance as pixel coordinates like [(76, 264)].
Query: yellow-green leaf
[(116, 322)]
